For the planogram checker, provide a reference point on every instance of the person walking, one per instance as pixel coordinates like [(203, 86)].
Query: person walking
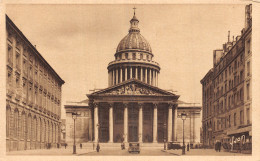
[(98, 147), (219, 147), (80, 145)]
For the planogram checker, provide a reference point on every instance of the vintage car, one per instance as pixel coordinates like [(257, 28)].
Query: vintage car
[(172, 145), (134, 147)]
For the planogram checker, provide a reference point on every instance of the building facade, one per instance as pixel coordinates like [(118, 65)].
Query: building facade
[(226, 88), (33, 95), (133, 108), (83, 122)]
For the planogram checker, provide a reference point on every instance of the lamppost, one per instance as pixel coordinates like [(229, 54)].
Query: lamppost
[(164, 136), (74, 116), (183, 117)]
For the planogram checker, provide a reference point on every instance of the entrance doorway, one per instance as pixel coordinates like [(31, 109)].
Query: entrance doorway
[(133, 134)]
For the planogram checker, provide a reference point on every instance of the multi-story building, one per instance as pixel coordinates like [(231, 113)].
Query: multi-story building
[(33, 95), (226, 89)]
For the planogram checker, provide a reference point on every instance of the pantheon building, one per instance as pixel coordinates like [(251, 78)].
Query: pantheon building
[(133, 108)]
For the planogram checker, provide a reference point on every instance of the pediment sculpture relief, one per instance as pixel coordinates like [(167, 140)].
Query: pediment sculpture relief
[(132, 89)]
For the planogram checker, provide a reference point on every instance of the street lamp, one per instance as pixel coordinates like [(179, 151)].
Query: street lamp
[(74, 116), (164, 136), (183, 117)]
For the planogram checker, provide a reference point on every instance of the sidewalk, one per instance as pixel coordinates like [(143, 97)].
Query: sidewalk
[(204, 152), (54, 151)]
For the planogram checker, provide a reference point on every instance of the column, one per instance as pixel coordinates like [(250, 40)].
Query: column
[(150, 76), (125, 122), (110, 123), (90, 125), (157, 79), (155, 123), (113, 79), (170, 123), (136, 72), (175, 124), (121, 75), (145, 77), (154, 78), (141, 70), (96, 121), (131, 72), (117, 76), (125, 73), (108, 78), (140, 123)]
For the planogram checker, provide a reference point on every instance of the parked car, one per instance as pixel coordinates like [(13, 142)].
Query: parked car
[(134, 147), (172, 145)]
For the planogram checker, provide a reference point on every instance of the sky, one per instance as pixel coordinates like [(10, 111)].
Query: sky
[(79, 41)]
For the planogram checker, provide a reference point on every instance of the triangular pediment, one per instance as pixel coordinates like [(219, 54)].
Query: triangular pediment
[(133, 87)]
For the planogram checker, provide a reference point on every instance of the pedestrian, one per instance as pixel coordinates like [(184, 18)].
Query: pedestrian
[(80, 146), (98, 147), (216, 146), (65, 145), (93, 145), (188, 147), (219, 148)]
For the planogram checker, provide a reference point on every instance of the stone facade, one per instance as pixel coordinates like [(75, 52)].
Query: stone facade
[(227, 92), (33, 95)]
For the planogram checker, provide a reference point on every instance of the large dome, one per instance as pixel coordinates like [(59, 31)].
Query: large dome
[(134, 40)]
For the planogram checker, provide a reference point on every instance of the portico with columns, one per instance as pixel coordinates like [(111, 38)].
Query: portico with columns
[(133, 111)]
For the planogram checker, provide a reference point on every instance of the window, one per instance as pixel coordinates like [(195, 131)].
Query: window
[(17, 59), (248, 116), (241, 76), (241, 94), (229, 120), (225, 74), (126, 55), (10, 54), (248, 68), (235, 118), (241, 117), (229, 70), (235, 66), (141, 56), (249, 46), (147, 57), (134, 56), (247, 91)]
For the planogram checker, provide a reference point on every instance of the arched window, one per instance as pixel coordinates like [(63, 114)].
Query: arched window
[(23, 125), (29, 125), (16, 123), (8, 111)]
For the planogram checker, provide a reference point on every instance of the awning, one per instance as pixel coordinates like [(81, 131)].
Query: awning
[(241, 130)]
